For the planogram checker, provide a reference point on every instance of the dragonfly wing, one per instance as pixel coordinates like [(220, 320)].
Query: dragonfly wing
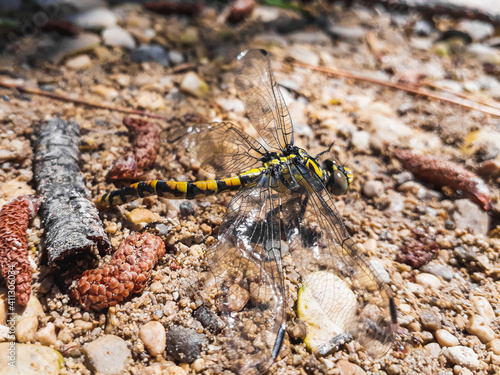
[(263, 100), (246, 263), (353, 296), (221, 147)]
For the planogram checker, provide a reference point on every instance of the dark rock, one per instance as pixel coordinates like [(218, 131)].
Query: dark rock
[(209, 319), (147, 53), (186, 208), (184, 344)]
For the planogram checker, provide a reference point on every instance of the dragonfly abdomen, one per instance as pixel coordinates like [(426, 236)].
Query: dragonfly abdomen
[(177, 189)]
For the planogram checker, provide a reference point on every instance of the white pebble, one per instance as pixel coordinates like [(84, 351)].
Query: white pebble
[(477, 326), (47, 335), (483, 308), (433, 349), (153, 336), (194, 85), (462, 356), (373, 188), (26, 329), (361, 140), (79, 62), (428, 281), (445, 338), (117, 37)]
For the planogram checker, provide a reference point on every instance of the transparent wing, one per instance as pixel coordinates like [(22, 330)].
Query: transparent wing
[(343, 283), (264, 103), (220, 147), (246, 263)]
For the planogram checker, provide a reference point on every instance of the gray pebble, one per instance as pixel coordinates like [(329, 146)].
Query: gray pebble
[(108, 354), (430, 320), (209, 319), (117, 37), (438, 270), (147, 53), (184, 344), (467, 215)]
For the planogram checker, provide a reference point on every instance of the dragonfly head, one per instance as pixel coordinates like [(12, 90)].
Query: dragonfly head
[(339, 178)]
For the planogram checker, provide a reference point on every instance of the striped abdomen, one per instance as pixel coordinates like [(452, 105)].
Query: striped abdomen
[(177, 190)]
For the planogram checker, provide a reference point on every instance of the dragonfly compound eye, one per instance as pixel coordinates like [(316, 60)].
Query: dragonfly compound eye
[(338, 184)]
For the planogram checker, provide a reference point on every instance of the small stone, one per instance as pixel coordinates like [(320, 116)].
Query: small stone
[(237, 298), (30, 360), (231, 105), (71, 46), (373, 188), (150, 100), (65, 335), (209, 319), (438, 270), (153, 336), (361, 140), (305, 55), (433, 349), (494, 346), (26, 329), (186, 208), (94, 19), (380, 270), (47, 335), (156, 287), (484, 53), (190, 36), (184, 344), (147, 53), (79, 62), (173, 370), (483, 308), (4, 333), (117, 37), (194, 85), (143, 36), (422, 28), (478, 30), (107, 93), (428, 281), (477, 326), (430, 320), (348, 368), (462, 356), (352, 34), (297, 330), (175, 57), (199, 365), (142, 215), (83, 325), (489, 167), (467, 215), (445, 338), (170, 308), (108, 354)]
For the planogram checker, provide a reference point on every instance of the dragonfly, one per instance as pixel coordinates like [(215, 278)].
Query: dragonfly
[(283, 210)]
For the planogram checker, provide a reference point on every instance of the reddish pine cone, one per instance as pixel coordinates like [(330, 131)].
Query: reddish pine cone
[(127, 273), (14, 259)]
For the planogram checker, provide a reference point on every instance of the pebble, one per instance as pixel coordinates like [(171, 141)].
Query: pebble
[(462, 356), (150, 100), (150, 53), (348, 368), (190, 36), (477, 326), (117, 37), (173, 370), (142, 215), (478, 30), (360, 140), (438, 270), (3, 306), (108, 355), (83, 325), (483, 308), (467, 215), (380, 270), (494, 346), (304, 55), (199, 365), (31, 360), (373, 188), (68, 46), (388, 130), (237, 298), (428, 281), (107, 93), (47, 335), (184, 344), (422, 28), (352, 34), (484, 53), (94, 19), (231, 105), (430, 320), (194, 85), (26, 329), (78, 62), (445, 338), (209, 319), (433, 349), (65, 335), (153, 336), (175, 57)]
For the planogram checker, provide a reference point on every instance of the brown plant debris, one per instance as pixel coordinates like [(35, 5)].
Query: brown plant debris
[(73, 228), (446, 174), (186, 8), (14, 260), (418, 250), (145, 138), (127, 273)]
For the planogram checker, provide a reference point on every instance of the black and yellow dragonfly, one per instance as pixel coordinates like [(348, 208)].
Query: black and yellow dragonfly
[(282, 213)]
